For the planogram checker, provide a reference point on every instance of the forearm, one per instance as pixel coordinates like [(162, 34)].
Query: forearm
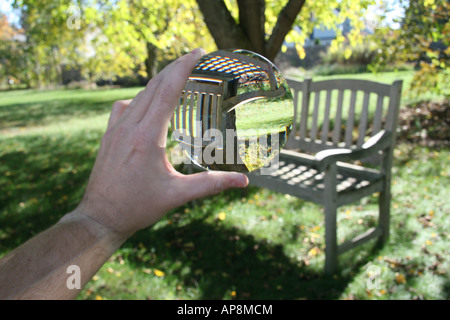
[(39, 268)]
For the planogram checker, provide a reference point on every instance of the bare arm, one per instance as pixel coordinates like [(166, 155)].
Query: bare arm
[(132, 185), (39, 268)]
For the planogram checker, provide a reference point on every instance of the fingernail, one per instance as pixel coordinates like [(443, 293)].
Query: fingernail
[(241, 181), (199, 52)]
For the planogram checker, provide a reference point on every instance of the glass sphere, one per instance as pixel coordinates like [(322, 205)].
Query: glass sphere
[(235, 113)]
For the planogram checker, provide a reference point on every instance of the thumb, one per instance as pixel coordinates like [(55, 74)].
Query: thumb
[(207, 183)]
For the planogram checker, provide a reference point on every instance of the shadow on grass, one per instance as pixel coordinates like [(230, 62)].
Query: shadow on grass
[(44, 176), (218, 259), (42, 108)]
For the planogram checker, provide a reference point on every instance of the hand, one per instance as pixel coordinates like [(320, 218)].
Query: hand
[(132, 184)]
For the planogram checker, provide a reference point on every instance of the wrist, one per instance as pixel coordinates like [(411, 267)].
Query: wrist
[(97, 229)]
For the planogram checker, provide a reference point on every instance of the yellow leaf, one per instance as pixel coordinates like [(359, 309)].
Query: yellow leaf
[(222, 216), (400, 278), (158, 273), (314, 251), (347, 53), (300, 51), (315, 235)]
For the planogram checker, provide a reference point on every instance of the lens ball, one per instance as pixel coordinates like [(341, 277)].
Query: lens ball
[(235, 113)]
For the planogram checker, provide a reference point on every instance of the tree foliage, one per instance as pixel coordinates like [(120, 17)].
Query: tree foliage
[(263, 26), (423, 39), (143, 33), (116, 38)]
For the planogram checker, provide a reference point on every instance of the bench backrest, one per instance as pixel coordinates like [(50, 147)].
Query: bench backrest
[(341, 113), (211, 93), (199, 109)]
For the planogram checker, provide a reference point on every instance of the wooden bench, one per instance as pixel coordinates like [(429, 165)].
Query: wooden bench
[(337, 122)]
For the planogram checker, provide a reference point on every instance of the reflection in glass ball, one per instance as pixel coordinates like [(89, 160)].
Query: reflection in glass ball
[(235, 113)]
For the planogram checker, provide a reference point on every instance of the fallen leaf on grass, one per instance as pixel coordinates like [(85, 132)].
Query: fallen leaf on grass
[(400, 278), (158, 273)]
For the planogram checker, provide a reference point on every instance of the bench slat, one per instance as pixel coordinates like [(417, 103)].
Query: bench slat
[(191, 114), (350, 120), (184, 112), (363, 120), (198, 118), (326, 120), (214, 113), (351, 84), (378, 115), (206, 121), (337, 123), (313, 132), (305, 108)]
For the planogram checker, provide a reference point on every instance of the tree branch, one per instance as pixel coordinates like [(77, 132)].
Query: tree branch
[(226, 32), (284, 24), (252, 20)]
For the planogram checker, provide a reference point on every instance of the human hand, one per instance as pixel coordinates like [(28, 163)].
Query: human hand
[(132, 184)]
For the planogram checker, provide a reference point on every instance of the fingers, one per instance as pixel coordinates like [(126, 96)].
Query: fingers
[(165, 90), (117, 110), (209, 183)]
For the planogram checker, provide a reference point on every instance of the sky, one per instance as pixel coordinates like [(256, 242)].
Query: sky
[(5, 8)]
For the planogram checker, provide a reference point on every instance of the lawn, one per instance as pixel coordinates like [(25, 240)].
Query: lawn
[(250, 244)]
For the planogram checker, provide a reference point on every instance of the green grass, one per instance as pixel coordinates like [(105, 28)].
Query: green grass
[(251, 244)]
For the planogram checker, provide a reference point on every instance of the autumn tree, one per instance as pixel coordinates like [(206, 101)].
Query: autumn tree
[(262, 26), (422, 39), (152, 31), (49, 43)]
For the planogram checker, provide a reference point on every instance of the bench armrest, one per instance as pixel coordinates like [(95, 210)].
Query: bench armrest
[(380, 141)]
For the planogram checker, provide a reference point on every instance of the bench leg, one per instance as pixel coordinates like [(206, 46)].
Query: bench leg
[(384, 213), (331, 249), (384, 199)]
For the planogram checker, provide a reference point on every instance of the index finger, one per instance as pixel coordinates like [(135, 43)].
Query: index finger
[(165, 95)]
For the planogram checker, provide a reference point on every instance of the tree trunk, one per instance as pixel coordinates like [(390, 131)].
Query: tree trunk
[(226, 32), (150, 61), (249, 33)]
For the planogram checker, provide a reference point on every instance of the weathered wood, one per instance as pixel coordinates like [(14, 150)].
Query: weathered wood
[(368, 235), (363, 120), (330, 195), (350, 120), (323, 178), (337, 119), (378, 115), (305, 107), (184, 113), (313, 132), (191, 114), (326, 119)]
